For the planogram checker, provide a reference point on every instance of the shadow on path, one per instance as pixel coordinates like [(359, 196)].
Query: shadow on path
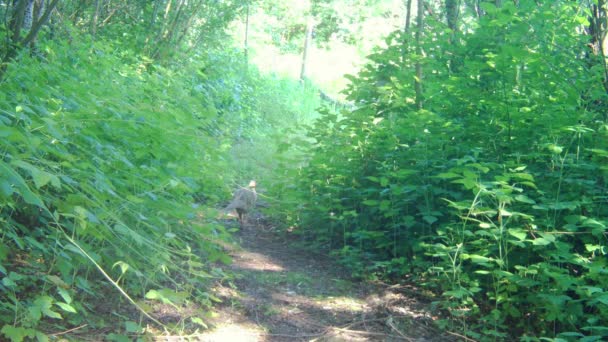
[(282, 293)]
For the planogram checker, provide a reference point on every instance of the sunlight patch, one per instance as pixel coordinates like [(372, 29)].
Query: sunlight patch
[(328, 304), (232, 332), (342, 303), (255, 262)]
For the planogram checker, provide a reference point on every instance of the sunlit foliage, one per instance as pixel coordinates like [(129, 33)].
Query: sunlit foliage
[(494, 194)]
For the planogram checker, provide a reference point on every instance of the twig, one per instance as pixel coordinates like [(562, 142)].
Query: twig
[(389, 322), (461, 336), (362, 322), (361, 332), (112, 281), (295, 336), (69, 330)]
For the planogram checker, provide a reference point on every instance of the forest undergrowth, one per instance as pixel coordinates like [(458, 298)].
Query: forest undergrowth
[(105, 161), (478, 168), (468, 162)]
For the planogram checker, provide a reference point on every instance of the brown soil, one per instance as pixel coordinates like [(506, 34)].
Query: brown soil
[(279, 293), (283, 293)]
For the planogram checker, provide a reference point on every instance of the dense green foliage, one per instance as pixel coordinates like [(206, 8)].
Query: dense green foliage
[(493, 195), (93, 176), (473, 162), (112, 166)]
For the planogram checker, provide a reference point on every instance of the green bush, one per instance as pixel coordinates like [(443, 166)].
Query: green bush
[(493, 195), (102, 163)]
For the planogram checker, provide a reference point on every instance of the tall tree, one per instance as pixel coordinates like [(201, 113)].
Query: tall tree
[(598, 32), (307, 44), (451, 13), (246, 40), (406, 30), (26, 18), (419, 53)]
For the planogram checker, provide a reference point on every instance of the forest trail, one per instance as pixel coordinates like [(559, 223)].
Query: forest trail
[(282, 293)]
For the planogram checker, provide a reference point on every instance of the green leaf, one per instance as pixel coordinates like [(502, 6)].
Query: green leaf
[(132, 327), (8, 282), (570, 334), (524, 199), (41, 177), (118, 338), (66, 307), (384, 181), (371, 203), (457, 293), (554, 148), (478, 259), (6, 131), (522, 176), (124, 267), (167, 296), (58, 282), (429, 219), (17, 334), (448, 175), (592, 248), (134, 199), (519, 234), (44, 304), (541, 241), (5, 188), (467, 182), (199, 321), (385, 205), (20, 185), (602, 299), (479, 167), (65, 295)]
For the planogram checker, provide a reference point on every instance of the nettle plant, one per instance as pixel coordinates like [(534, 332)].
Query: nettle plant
[(506, 265), (100, 164), (493, 194)]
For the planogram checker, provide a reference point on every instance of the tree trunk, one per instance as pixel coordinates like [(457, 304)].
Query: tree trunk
[(598, 30), (39, 10), (406, 32), (408, 15), (15, 25), (16, 22), (246, 42), (451, 13), (95, 19), (307, 43), (28, 16), (37, 25), (154, 13), (418, 80)]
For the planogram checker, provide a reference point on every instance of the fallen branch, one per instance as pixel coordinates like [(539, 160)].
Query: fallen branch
[(294, 336), (362, 332), (461, 336), (363, 322), (68, 331), (389, 322)]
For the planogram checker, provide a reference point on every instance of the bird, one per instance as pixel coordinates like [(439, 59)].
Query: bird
[(243, 201)]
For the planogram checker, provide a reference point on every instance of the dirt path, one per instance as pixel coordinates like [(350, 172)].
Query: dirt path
[(285, 294)]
